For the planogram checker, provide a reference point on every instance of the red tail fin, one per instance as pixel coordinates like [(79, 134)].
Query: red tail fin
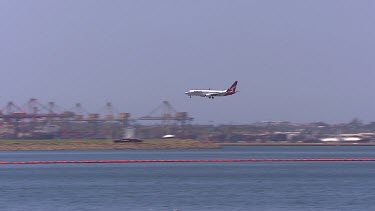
[(233, 87)]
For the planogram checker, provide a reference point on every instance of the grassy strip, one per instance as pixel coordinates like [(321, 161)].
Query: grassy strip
[(103, 144), (53, 141), (299, 144), (92, 141)]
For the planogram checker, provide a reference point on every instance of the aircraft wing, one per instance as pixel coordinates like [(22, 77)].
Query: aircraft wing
[(212, 94)]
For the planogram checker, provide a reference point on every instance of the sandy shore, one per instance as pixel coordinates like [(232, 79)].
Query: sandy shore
[(14, 145), (299, 144)]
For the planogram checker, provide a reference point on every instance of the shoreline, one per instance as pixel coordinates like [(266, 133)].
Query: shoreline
[(151, 144), (299, 144), (47, 145)]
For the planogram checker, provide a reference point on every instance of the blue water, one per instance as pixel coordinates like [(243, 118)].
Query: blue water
[(191, 186)]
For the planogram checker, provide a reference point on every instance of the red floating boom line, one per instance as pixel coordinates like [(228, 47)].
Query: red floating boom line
[(192, 161)]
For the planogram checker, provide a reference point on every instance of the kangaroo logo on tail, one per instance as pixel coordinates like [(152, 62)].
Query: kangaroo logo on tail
[(232, 89)]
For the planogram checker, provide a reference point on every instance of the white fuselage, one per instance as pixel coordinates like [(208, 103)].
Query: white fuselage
[(206, 93), (212, 93)]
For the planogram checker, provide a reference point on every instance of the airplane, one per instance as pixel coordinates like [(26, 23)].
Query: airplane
[(212, 93)]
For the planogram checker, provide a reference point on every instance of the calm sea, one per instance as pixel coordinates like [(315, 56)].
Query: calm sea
[(265, 186)]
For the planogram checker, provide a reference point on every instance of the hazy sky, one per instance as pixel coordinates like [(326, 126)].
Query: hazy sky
[(299, 61)]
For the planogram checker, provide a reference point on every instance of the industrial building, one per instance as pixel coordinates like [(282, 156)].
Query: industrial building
[(35, 120)]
